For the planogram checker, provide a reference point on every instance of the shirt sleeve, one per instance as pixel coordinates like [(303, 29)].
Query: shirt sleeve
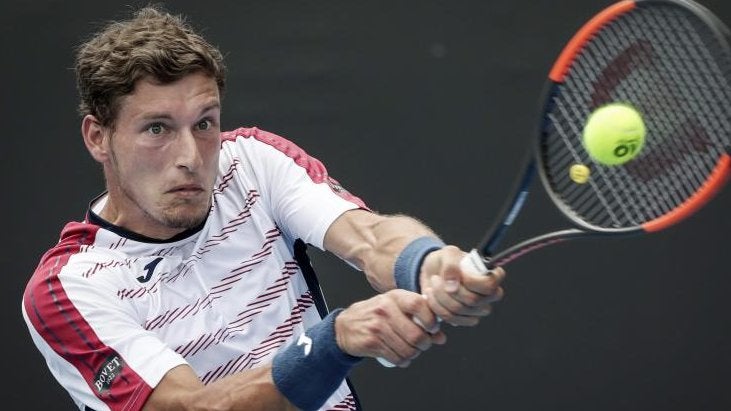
[(92, 342), (303, 197)]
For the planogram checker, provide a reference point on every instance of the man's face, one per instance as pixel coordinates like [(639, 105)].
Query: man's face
[(164, 156)]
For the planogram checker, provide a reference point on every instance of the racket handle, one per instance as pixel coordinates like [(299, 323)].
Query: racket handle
[(473, 263), (386, 363), (470, 263)]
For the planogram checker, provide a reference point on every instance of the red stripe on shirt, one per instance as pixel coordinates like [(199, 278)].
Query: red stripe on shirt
[(314, 168), (59, 323)]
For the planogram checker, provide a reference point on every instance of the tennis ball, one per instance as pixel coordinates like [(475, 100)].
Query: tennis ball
[(579, 173), (614, 134)]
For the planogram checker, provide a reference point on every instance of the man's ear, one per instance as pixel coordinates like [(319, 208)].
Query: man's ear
[(95, 138)]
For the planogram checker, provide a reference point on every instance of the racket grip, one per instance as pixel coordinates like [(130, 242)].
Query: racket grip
[(388, 364), (472, 263)]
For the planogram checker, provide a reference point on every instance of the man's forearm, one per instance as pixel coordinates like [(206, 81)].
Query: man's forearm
[(372, 242)]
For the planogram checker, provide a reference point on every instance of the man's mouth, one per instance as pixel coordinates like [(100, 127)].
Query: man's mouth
[(186, 190)]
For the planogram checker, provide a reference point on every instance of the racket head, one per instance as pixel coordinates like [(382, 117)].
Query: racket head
[(671, 60)]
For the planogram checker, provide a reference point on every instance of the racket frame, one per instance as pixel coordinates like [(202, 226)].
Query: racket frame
[(535, 164)]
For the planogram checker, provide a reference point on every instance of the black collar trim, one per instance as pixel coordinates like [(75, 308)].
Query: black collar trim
[(95, 219)]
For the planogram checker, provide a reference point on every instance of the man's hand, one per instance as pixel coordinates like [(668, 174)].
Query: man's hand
[(386, 326), (456, 296)]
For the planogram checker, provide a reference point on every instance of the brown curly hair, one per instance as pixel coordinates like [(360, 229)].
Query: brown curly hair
[(152, 43)]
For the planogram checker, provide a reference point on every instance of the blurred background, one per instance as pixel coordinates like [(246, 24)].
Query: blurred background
[(419, 107)]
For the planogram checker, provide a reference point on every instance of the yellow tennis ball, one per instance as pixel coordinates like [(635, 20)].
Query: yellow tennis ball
[(579, 173), (614, 134)]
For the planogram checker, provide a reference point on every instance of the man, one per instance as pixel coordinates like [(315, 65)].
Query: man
[(186, 285)]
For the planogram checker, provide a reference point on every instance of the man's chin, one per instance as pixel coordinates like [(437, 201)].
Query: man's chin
[(184, 224), (185, 219)]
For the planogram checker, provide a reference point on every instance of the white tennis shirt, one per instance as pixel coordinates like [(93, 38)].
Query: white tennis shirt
[(112, 311)]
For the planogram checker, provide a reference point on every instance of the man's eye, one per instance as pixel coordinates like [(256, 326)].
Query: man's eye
[(204, 125), (156, 129)]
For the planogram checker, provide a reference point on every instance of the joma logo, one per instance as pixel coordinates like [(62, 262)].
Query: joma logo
[(105, 376), (149, 270)]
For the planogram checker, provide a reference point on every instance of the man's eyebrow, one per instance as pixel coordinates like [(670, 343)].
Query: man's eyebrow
[(156, 116), (213, 106), (166, 116)]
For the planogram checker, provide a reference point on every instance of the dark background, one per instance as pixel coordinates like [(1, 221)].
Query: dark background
[(420, 107)]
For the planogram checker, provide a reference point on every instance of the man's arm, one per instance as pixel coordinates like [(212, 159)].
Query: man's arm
[(373, 243), (379, 327), (305, 375), (180, 389)]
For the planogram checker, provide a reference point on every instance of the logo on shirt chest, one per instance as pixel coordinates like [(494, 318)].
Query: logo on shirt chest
[(149, 270)]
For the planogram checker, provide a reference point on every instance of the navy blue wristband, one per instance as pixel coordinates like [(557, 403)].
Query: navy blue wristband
[(408, 263), (309, 370)]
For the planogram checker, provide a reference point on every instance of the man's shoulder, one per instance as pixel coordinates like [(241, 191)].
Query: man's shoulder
[(75, 256), (232, 135), (75, 237), (255, 134), (78, 247)]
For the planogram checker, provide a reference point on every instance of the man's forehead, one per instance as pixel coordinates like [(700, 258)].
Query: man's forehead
[(196, 92)]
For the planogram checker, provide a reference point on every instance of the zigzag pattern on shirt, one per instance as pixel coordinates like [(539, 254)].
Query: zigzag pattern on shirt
[(275, 340), (255, 307), (227, 177), (263, 300), (247, 265), (120, 242), (204, 302), (348, 403), (178, 313), (230, 227), (189, 263), (225, 232), (164, 252), (127, 262)]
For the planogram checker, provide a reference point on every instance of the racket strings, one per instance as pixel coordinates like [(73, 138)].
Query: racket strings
[(665, 62), (664, 84), (613, 199)]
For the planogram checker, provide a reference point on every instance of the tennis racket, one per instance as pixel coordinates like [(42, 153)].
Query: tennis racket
[(671, 61)]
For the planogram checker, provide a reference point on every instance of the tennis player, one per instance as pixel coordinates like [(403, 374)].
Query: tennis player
[(186, 285)]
